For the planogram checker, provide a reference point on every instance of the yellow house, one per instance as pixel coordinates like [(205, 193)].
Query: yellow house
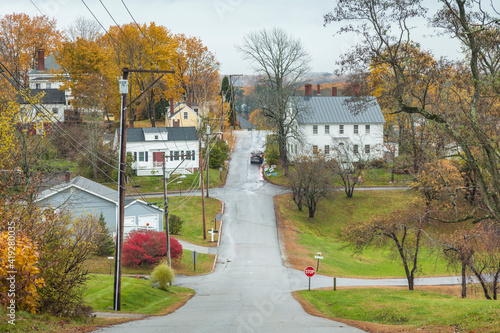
[(184, 116)]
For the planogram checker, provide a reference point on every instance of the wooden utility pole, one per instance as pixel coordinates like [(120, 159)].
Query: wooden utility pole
[(165, 212), (121, 192), (121, 176), (202, 189)]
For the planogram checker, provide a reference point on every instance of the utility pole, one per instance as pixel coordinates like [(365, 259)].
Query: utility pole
[(202, 190), (207, 146), (121, 191), (165, 212), (121, 175)]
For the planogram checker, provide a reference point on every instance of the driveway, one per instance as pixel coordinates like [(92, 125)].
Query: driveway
[(250, 289)]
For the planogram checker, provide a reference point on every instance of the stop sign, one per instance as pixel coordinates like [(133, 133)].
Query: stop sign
[(310, 271)]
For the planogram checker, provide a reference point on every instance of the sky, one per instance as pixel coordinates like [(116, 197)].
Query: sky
[(222, 24)]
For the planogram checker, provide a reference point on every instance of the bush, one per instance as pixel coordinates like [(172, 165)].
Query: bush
[(27, 273), (272, 152), (218, 154), (147, 247), (175, 224), (163, 275)]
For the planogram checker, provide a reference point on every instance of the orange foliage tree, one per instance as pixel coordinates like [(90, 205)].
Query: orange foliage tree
[(19, 271)]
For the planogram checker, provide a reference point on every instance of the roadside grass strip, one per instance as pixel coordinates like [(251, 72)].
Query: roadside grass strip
[(417, 309), (137, 295)]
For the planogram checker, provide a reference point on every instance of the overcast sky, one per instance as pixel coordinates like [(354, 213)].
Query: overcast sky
[(222, 24)]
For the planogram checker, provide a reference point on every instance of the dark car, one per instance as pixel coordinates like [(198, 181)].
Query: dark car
[(257, 157)]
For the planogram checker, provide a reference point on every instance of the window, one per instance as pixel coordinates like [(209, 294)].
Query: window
[(367, 129), (37, 86), (315, 129), (156, 137), (176, 155), (341, 129), (356, 129), (355, 149), (185, 115), (327, 149), (135, 156), (315, 149), (141, 156), (55, 110), (48, 85), (327, 129), (367, 149)]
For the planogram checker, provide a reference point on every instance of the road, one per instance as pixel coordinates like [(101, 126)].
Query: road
[(250, 289)]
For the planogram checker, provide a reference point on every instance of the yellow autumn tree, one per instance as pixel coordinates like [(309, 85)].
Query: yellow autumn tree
[(197, 70), (19, 271), (147, 47)]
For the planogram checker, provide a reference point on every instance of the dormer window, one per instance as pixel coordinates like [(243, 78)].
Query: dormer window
[(156, 137)]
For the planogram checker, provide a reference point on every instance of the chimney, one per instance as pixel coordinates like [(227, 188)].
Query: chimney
[(67, 176), (318, 88), (308, 89), (355, 89), (189, 100), (334, 91), (171, 106), (41, 60)]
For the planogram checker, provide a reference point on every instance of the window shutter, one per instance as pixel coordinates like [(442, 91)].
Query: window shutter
[(146, 159)]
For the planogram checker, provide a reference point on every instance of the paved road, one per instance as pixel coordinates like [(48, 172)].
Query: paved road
[(250, 289)]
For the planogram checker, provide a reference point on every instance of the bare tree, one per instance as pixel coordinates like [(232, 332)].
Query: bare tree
[(310, 181), (84, 28), (461, 99), (282, 62)]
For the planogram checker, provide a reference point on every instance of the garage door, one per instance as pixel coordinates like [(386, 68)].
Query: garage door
[(151, 219)]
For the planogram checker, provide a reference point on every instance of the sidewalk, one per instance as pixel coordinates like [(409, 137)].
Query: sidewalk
[(198, 248)]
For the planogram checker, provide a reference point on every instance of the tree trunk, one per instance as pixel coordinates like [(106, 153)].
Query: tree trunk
[(311, 211)]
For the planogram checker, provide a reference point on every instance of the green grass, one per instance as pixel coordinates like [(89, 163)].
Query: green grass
[(415, 309), (28, 322), (137, 295), (190, 210), (324, 234), (371, 177), (148, 184)]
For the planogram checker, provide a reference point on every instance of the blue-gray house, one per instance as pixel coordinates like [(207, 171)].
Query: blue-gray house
[(82, 196)]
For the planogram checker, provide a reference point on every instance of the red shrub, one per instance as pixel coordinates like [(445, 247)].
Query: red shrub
[(146, 247)]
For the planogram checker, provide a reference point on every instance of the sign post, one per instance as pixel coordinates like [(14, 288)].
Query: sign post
[(309, 273), (318, 257), (194, 254)]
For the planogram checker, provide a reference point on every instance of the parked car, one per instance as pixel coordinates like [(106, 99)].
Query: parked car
[(257, 157)]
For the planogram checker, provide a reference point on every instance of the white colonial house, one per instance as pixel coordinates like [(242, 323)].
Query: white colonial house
[(338, 124), (149, 146)]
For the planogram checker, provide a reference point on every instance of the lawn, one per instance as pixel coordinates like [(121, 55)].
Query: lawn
[(189, 208), (371, 177), (137, 295), (305, 237), (418, 310), (152, 184)]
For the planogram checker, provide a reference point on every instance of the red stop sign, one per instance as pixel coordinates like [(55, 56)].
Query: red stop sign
[(309, 271)]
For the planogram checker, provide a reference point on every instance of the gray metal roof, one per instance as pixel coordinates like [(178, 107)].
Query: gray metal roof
[(85, 184), (245, 124), (174, 133), (50, 96), (339, 110)]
